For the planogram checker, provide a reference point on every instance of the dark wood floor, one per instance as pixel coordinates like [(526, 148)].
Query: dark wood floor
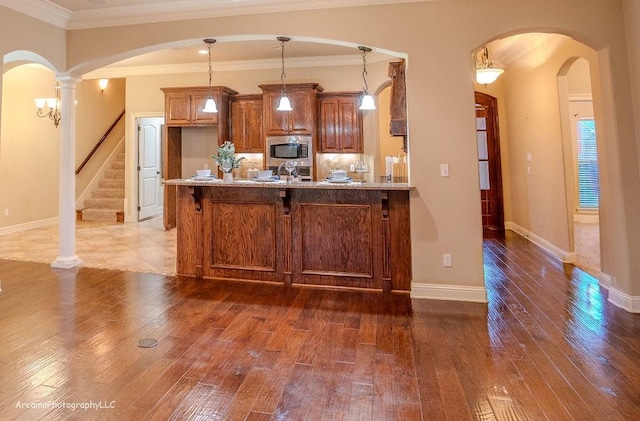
[(547, 346)]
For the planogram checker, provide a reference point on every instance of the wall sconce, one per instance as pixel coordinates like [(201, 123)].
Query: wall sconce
[(284, 104), (103, 83), (486, 73), (210, 104), (366, 103), (50, 107)]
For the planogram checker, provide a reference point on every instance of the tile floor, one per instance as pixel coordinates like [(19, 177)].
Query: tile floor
[(139, 247)]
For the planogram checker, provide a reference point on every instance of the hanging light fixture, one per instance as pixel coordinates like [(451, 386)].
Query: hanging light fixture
[(486, 73), (50, 107), (366, 103), (210, 104), (284, 104)]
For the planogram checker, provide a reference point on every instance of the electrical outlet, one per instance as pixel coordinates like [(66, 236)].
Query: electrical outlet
[(6, 211), (444, 170), (446, 260)]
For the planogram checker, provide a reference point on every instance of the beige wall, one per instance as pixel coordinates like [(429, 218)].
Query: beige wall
[(439, 38), (95, 113), (32, 142), (30, 148), (389, 145), (632, 26)]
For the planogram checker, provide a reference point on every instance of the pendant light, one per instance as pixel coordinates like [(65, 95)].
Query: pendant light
[(284, 104), (210, 105), (486, 73), (366, 103)]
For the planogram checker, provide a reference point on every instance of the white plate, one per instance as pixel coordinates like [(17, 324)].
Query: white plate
[(264, 179), (203, 177), (339, 180)]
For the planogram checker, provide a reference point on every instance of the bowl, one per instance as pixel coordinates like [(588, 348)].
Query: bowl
[(338, 174), (203, 173), (265, 173)]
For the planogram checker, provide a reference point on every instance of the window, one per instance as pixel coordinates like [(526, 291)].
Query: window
[(588, 181)]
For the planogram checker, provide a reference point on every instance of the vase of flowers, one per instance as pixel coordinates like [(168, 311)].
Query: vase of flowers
[(226, 159)]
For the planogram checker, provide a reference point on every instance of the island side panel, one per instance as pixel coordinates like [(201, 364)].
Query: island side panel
[(188, 231), (337, 238), (243, 231), (400, 240)]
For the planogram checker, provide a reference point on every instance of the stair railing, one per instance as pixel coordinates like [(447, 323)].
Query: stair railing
[(104, 137)]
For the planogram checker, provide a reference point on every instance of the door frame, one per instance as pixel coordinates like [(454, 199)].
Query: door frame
[(131, 164), (159, 200), (495, 158)]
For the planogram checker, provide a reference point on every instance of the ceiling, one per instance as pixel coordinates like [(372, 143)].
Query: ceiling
[(265, 53)]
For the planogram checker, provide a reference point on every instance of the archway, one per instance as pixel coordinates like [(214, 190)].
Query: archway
[(538, 192)]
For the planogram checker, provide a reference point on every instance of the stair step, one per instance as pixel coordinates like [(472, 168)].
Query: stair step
[(107, 193), (111, 183), (104, 203), (117, 165), (114, 174), (106, 215)]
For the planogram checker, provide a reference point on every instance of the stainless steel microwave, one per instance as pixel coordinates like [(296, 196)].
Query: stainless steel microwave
[(291, 147)]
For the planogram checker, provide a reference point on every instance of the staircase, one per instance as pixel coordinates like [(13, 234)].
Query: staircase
[(107, 201)]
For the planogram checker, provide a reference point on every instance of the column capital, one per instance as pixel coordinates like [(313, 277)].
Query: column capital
[(69, 81)]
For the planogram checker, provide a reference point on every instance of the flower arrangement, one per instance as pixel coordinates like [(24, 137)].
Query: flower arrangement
[(226, 156)]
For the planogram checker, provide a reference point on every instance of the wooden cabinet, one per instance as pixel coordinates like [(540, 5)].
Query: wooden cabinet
[(398, 109), (328, 236), (246, 123), (340, 123), (302, 120), (183, 108)]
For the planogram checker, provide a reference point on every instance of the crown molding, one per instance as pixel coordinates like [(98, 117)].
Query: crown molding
[(113, 72), (43, 10), (172, 11)]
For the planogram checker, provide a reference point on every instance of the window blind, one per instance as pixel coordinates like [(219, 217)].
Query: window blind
[(588, 180)]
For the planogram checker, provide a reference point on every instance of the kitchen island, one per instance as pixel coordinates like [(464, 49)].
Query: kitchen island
[(316, 233)]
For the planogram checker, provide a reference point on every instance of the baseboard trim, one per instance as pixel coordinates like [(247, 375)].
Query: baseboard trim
[(449, 293), (605, 280), (624, 301), (562, 255), (28, 225)]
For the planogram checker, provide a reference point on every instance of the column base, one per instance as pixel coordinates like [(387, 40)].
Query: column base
[(66, 262)]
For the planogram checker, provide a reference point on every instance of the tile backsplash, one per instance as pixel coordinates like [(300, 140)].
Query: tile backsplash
[(326, 162)]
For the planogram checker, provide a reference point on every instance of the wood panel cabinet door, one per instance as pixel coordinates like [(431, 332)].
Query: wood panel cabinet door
[(340, 123), (302, 120), (177, 109), (246, 124), (198, 116)]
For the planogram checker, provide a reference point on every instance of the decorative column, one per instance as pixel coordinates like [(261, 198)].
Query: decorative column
[(67, 258)]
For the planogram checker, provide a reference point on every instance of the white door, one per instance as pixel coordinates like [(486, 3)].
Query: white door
[(149, 153)]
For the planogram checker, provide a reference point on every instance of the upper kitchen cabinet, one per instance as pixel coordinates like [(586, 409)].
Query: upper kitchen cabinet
[(304, 101), (246, 123), (183, 107), (398, 99), (340, 123)]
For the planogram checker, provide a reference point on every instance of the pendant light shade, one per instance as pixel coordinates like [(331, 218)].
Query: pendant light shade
[(366, 102), (210, 104), (283, 104), (486, 71)]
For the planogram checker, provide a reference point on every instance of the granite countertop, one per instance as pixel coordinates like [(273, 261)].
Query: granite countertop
[(277, 184)]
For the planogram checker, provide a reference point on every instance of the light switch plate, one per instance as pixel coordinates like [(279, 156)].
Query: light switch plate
[(444, 170)]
